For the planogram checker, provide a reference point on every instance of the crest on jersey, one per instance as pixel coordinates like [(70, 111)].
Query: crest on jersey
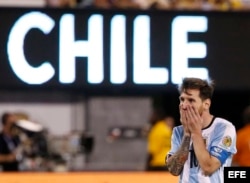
[(227, 141)]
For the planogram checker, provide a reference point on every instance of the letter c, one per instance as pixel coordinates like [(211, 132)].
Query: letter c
[(22, 69)]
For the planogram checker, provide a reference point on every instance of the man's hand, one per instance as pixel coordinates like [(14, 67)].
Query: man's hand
[(194, 120), (184, 122)]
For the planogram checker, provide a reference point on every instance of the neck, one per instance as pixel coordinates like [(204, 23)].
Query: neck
[(207, 119)]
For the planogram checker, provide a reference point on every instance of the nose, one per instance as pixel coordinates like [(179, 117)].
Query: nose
[(183, 104)]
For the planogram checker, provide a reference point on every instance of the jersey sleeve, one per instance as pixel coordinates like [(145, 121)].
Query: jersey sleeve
[(175, 140), (223, 142)]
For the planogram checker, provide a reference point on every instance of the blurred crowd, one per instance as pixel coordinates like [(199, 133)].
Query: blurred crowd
[(28, 146), (206, 5), (174, 4)]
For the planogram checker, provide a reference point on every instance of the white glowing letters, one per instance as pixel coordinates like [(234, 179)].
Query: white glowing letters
[(93, 47), (17, 59), (182, 49)]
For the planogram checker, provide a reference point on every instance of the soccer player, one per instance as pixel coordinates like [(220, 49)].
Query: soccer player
[(204, 144)]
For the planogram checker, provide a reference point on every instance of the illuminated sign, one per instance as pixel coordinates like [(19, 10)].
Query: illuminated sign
[(92, 48), (82, 49)]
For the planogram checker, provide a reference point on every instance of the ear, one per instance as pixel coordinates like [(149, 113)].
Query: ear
[(207, 103)]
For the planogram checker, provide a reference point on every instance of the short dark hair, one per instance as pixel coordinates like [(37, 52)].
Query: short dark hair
[(5, 117), (206, 87), (246, 115)]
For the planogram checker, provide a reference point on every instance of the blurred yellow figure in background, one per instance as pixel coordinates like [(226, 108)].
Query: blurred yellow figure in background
[(159, 140)]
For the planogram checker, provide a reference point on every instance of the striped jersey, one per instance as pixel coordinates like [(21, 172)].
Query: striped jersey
[(220, 140)]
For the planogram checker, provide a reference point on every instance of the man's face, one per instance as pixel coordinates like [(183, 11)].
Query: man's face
[(10, 121), (190, 97)]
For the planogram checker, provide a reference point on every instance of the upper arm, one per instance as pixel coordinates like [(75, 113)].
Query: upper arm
[(175, 141), (175, 144), (223, 145), (219, 154)]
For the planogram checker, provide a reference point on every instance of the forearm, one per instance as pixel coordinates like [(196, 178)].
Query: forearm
[(204, 158), (176, 162)]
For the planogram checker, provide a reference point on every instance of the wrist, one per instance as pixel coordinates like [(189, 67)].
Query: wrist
[(196, 135), (187, 134)]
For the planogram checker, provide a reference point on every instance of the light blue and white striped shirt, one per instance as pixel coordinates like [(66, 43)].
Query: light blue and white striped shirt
[(220, 139)]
